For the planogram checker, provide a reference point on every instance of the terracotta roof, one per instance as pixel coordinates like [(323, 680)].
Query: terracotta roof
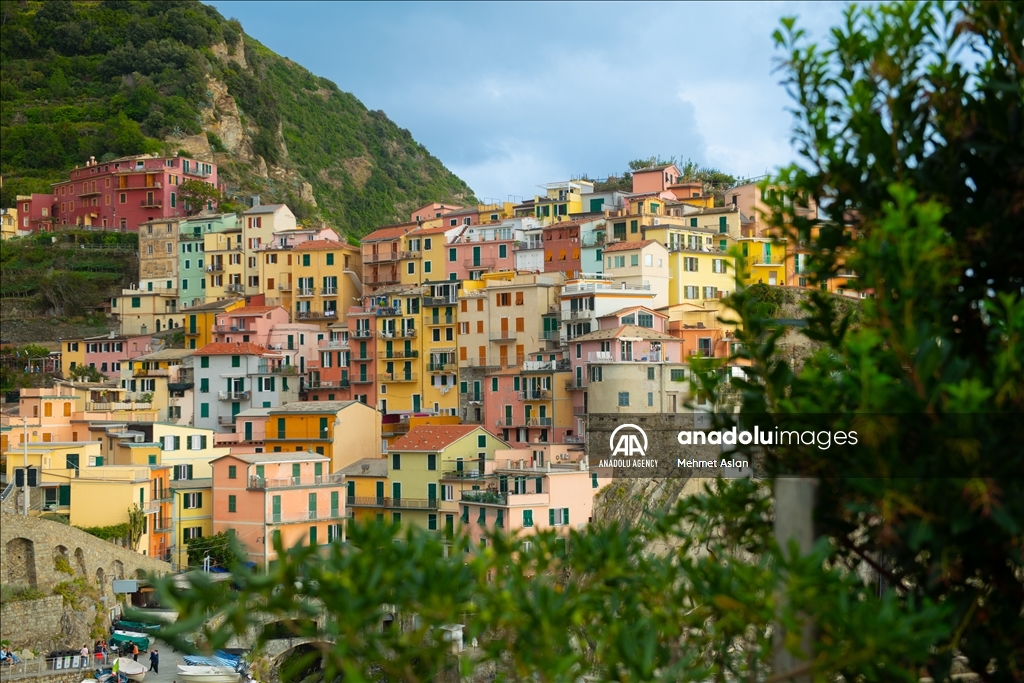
[(286, 456), (628, 246), (625, 331), (563, 224), (432, 437), (436, 229), (251, 310), (232, 349), (310, 245), (389, 232), (313, 407)]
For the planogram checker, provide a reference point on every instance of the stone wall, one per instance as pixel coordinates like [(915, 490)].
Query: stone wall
[(31, 549), (29, 624)]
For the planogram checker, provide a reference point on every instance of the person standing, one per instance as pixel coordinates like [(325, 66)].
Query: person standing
[(84, 653), (135, 651), (154, 661)]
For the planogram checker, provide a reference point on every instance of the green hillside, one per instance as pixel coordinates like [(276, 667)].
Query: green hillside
[(118, 77)]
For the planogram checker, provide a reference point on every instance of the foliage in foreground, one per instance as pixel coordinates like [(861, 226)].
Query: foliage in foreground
[(607, 607)]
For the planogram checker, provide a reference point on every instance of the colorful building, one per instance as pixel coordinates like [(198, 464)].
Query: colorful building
[(325, 277), (344, 431), (201, 319), (163, 379), (231, 378), (530, 402), (418, 460), (192, 516), (381, 256), (583, 301), (640, 264), (287, 498), (366, 482), (192, 259)]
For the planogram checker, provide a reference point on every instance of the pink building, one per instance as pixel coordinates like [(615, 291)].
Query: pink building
[(524, 491), (482, 249), (125, 192), (35, 212), (655, 178), (431, 211), (106, 353), (249, 324), (529, 401), (562, 248), (262, 497), (250, 433)]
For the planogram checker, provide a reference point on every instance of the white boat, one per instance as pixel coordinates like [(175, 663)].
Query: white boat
[(207, 674), (132, 669)]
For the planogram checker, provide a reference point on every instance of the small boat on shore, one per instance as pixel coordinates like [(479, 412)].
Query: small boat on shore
[(207, 674), (132, 669)]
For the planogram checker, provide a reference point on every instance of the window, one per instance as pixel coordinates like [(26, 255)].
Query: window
[(204, 410), (650, 399), (193, 501), (645, 320), (633, 226), (527, 518), (236, 361), (481, 441), (305, 260), (482, 517), (677, 375), (494, 384), (453, 254), (192, 532), (502, 250), (396, 461), (432, 522), (558, 516), (232, 504), (136, 302), (232, 472), (411, 268), (624, 399), (431, 461), (426, 269), (330, 259), (650, 373)]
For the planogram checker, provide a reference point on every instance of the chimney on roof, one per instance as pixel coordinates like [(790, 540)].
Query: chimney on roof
[(365, 468)]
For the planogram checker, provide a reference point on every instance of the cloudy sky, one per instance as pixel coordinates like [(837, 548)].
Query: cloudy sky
[(511, 96)]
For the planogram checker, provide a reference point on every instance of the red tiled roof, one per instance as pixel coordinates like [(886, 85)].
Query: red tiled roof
[(563, 224), (232, 349), (432, 437), (250, 310), (628, 246), (389, 232), (437, 229)]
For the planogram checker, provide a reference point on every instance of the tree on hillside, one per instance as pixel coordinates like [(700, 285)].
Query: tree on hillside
[(917, 162), (198, 195)]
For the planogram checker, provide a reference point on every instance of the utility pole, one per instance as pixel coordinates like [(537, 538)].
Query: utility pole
[(794, 520), (24, 481)]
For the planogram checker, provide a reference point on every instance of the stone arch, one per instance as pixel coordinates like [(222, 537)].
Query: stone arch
[(140, 573), (21, 562), (290, 661), (117, 569), (60, 558), (80, 561), (101, 578)]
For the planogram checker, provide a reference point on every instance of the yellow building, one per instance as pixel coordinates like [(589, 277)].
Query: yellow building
[(325, 278), (417, 461), (366, 481), (72, 354), (559, 201), (150, 376), (8, 223), (344, 431), (699, 261), (192, 512), (225, 264), (200, 321), (765, 260)]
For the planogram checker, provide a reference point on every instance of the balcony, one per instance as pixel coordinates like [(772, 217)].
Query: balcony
[(545, 365), (575, 384), (226, 420), (384, 257), (236, 287), (529, 244), (580, 314), (398, 377), (328, 291), (394, 428), (538, 422), (471, 398), (152, 372), (450, 366), (361, 334), (594, 239), (447, 300), (234, 395), (316, 315), (551, 335), (600, 356), (441, 320), (575, 439), (215, 268), (400, 353), (586, 287), (305, 291), (397, 503), (479, 263), (491, 497), (535, 395), (770, 261), (579, 411), (503, 336), (284, 287), (299, 517), (383, 311), (222, 329), (382, 279), (335, 345), (284, 370), (407, 333), (102, 406), (362, 380), (153, 203), (260, 483)]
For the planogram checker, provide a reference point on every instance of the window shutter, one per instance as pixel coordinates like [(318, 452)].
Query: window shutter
[(565, 516), (202, 442), (189, 471), (199, 499), (551, 516), (177, 443)]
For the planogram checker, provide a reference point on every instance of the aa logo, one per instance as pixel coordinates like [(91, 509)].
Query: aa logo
[(628, 443)]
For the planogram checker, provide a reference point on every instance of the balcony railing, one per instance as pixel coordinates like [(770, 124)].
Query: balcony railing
[(441, 320), (386, 502), (215, 268), (104, 405), (284, 287), (316, 315), (473, 263), (382, 279), (579, 410), (328, 291), (236, 287), (503, 335), (398, 377), (400, 353), (535, 395), (450, 366), (305, 291), (362, 380), (284, 370), (529, 244), (580, 314), (574, 384), (407, 333), (335, 513), (284, 482), (334, 345), (153, 203), (359, 333), (538, 422), (447, 300), (395, 427), (152, 372), (382, 257), (234, 395)]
